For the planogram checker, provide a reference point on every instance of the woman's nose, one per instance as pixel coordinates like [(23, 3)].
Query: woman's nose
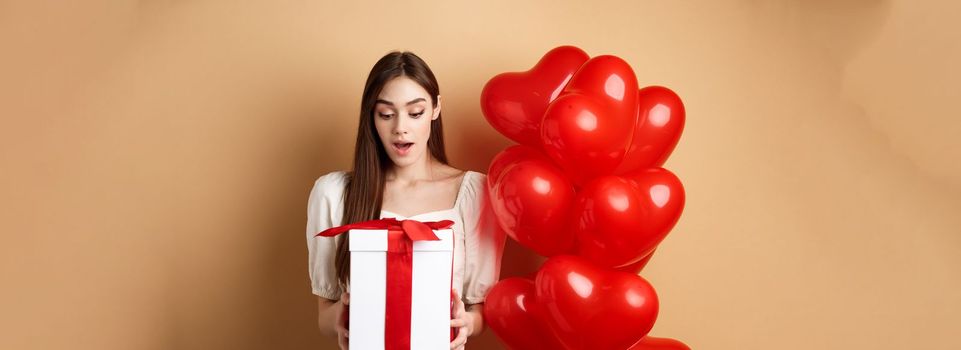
[(400, 126)]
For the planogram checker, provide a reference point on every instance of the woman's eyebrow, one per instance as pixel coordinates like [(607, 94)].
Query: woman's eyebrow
[(419, 99)]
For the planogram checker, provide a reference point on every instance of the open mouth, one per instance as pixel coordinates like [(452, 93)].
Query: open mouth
[(403, 146)]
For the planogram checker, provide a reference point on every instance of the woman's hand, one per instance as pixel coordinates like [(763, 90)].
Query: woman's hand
[(464, 323), (341, 326)]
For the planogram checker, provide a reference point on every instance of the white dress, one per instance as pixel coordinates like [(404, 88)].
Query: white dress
[(478, 245)]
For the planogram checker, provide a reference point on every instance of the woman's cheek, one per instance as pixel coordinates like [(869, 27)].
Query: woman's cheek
[(382, 129), (424, 131)]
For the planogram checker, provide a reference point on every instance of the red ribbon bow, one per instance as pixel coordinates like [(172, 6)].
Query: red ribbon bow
[(401, 235), (413, 229)]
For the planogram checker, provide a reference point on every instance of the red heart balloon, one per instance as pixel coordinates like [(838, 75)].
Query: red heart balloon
[(609, 78), (660, 120), (510, 156), (587, 307), (588, 128), (532, 200), (653, 343), (637, 267), (511, 311), (514, 102), (622, 219)]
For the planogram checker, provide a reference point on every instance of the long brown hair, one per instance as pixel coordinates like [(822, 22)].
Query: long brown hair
[(365, 183)]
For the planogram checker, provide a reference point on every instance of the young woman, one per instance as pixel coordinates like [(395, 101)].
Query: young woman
[(400, 170)]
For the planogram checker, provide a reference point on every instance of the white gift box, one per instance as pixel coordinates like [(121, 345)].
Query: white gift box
[(430, 290)]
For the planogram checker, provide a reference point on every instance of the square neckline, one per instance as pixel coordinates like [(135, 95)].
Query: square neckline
[(460, 190)]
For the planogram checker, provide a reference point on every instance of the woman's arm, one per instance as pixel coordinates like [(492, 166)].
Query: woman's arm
[(327, 311), (330, 320)]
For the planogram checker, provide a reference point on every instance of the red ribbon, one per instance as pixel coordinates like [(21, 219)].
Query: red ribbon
[(413, 229), (401, 235)]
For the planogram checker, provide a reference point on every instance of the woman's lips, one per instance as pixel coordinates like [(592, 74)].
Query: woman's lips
[(403, 148)]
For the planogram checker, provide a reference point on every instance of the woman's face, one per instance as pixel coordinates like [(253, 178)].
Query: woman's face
[(402, 116)]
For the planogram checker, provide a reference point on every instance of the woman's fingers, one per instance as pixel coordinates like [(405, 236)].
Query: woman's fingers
[(458, 308), (461, 339), (342, 337), (345, 298), (342, 330), (459, 321)]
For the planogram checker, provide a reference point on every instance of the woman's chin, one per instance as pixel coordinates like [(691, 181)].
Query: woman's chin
[(404, 160)]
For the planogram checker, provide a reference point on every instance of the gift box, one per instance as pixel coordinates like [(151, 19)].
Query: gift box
[(400, 283)]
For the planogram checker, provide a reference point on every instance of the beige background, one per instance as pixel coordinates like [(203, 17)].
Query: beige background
[(157, 155)]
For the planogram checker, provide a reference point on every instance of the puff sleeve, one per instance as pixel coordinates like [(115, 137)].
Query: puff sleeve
[(483, 239), (324, 210)]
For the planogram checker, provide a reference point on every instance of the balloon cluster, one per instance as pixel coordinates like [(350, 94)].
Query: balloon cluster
[(584, 187)]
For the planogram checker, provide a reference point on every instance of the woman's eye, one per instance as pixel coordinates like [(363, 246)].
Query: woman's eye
[(385, 116), (416, 115)]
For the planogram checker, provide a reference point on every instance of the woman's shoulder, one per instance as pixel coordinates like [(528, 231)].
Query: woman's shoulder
[(332, 177), (474, 188), (330, 184), (475, 178), (469, 179)]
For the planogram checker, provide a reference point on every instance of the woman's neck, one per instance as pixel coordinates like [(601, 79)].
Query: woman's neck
[(412, 173)]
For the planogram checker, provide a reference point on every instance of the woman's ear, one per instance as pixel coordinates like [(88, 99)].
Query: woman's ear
[(436, 109)]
